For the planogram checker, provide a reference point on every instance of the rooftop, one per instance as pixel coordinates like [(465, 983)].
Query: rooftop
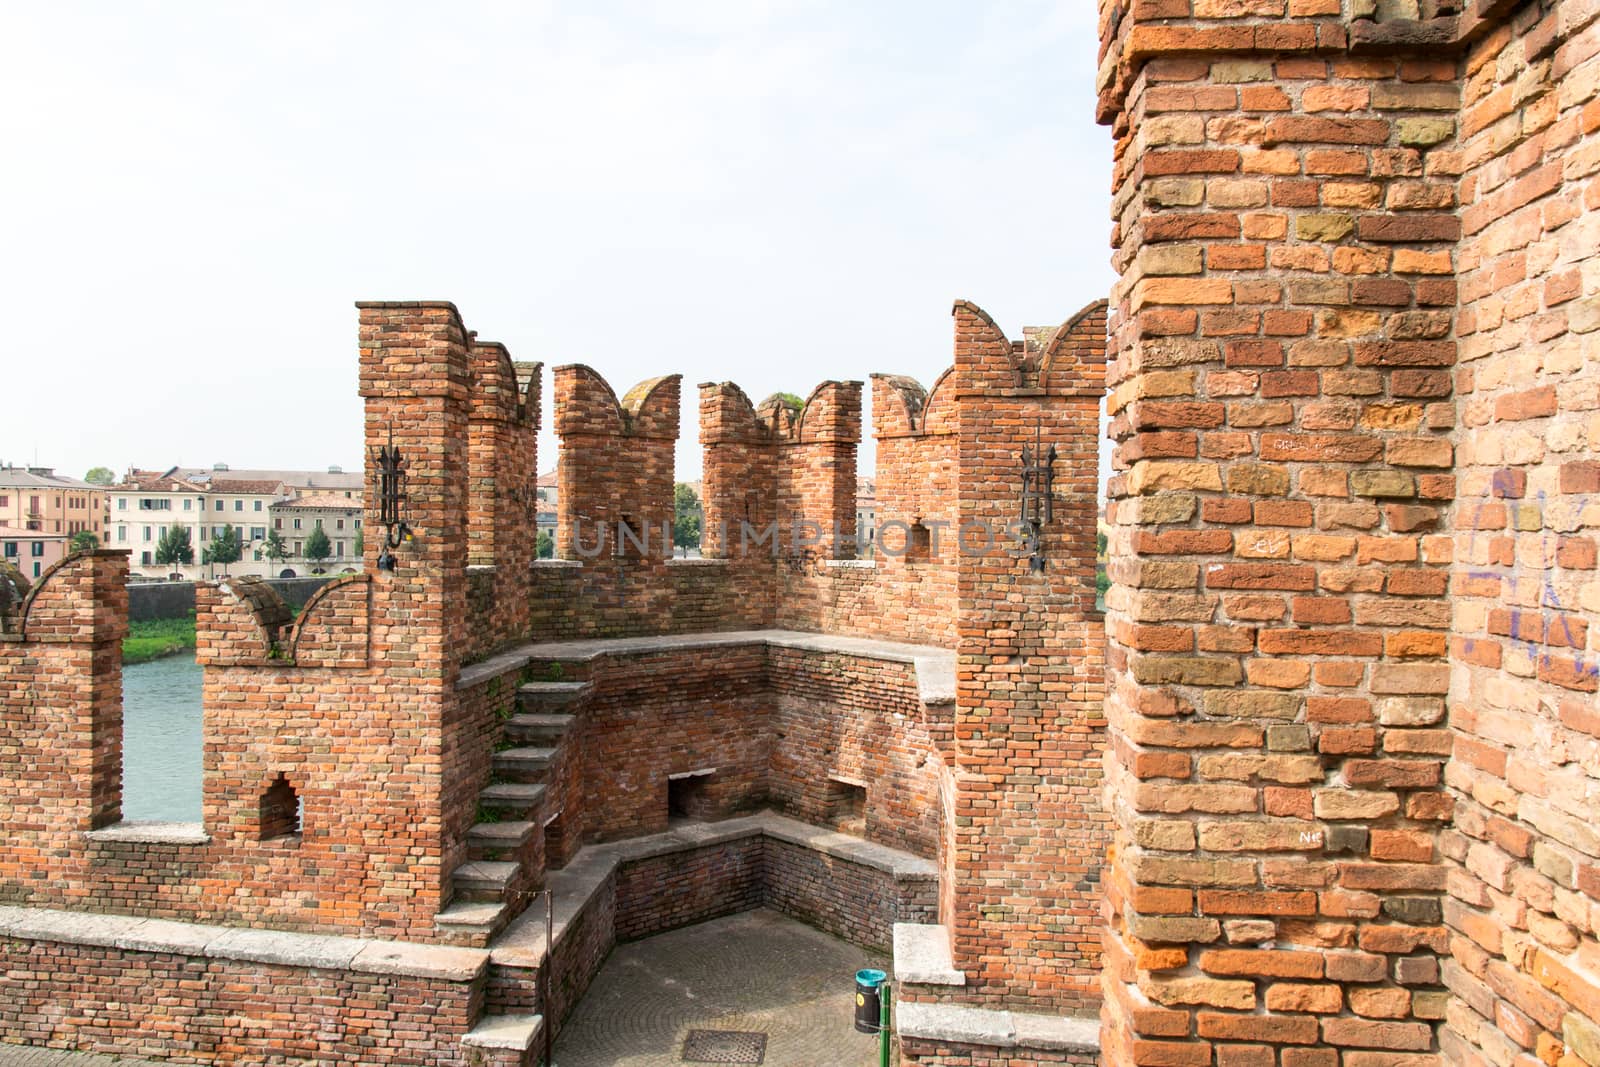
[(40, 478)]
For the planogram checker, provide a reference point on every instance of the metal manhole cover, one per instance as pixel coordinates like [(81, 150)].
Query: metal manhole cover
[(724, 1046)]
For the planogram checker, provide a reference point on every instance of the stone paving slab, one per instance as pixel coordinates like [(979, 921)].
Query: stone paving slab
[(754, 972)]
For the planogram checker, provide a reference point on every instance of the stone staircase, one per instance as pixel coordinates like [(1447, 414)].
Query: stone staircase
[(491, 888)]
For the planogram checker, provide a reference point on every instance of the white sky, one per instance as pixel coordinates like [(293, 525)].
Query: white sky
[(194, 194)]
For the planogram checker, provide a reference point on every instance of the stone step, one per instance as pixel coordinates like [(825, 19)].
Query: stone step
[(513, 798), (483, 880), (548, 696), (509, 1036), (474, 919), (527, 764), (498, 838), (538, 727)]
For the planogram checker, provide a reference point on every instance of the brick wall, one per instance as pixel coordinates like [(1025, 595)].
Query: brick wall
[(1030, 672), (843, 719), (914, 1052), (217, 1011), (1524, 853), (775, 727)]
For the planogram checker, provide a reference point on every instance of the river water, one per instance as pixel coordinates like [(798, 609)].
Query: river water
[(161, 740)]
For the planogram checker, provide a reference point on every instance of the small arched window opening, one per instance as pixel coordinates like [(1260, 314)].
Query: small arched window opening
[(280, 810), (919, 543)]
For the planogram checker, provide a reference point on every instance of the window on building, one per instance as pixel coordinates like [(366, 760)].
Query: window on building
[(219, 505), (358, 524), (338, 549), (277, 524), (338, 524), (297, 548), (38, 549), (258, 505), (297, 524), (147, 533), (257, 533), (238, 505), (5, 501), (319, 523), (122, 534), (36, 570), (11, 550), (33, 505), (122, 503)]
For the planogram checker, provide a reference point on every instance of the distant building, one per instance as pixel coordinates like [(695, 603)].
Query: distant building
[(867, 516), (31, 551), (294, 519), (207, 500), (37, 500)]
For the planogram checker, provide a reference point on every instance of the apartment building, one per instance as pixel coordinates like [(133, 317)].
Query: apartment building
[(37, 500), (206, 501), (297, 518)]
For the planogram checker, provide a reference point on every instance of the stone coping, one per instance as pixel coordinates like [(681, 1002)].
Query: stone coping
[(133, 934), (923, 956), (152, 833), (935, 666), (515, 1032), (995, 1028), (522, 943)]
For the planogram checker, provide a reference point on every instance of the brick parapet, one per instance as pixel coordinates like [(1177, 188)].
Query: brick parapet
[(615, 469), (502, 448)]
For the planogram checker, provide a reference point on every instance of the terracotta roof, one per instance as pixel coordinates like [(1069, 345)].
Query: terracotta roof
[(322, 500), (156, 482), (258, 487), (549, 478)]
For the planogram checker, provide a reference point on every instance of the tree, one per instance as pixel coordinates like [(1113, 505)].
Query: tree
[(225, 547), (85, 541), (361, 542), (275, 548), (686, 516), (794, 400), (174, 547), (100, 476), (546, 545), (317, 549)]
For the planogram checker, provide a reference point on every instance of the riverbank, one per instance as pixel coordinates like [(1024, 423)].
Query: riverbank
[(154, 638)]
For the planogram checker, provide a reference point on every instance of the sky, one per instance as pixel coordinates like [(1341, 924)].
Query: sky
[(776, 193)]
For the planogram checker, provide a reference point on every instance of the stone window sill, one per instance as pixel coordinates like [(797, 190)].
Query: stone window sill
[(152, 833)]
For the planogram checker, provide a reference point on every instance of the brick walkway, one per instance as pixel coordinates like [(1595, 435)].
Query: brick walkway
[(758, 971), (19, 1056)]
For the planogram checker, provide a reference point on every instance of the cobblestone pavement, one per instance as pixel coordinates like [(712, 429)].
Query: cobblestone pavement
[(758, 971), (21, 1056)]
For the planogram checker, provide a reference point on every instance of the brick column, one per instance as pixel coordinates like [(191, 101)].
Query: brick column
[(738, 471), (1029, 837), (61, 697), (1283, 344), (414, 379)]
